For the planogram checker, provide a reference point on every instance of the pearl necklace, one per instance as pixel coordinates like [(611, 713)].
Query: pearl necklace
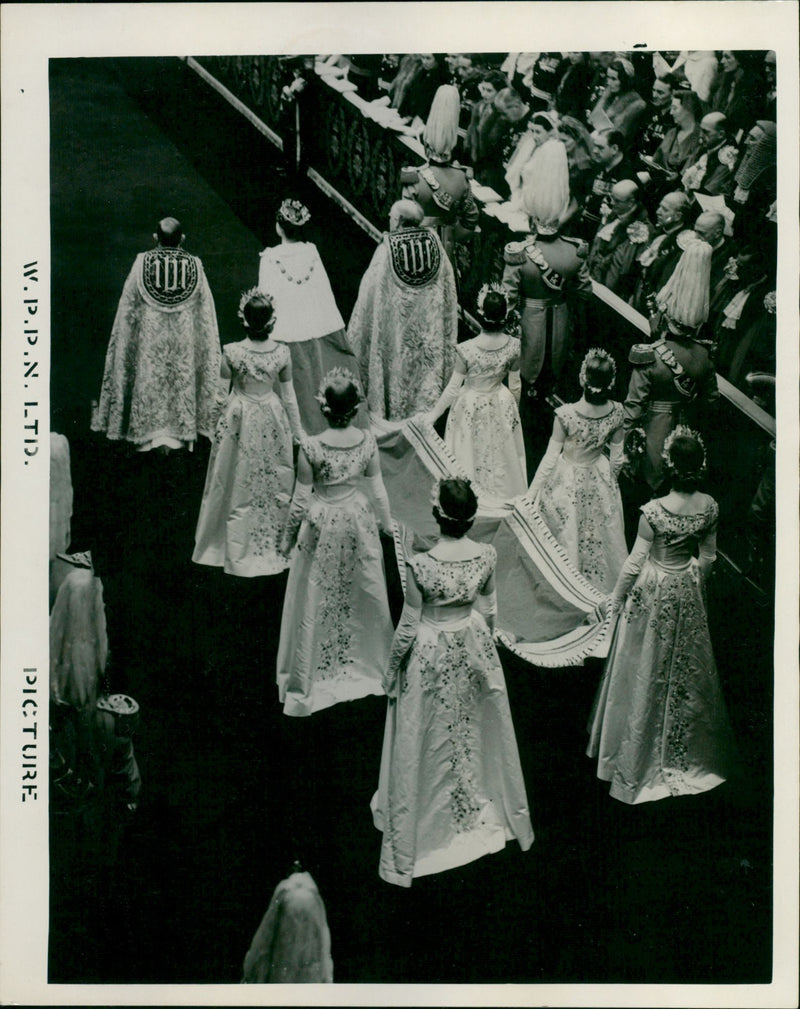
[(289, 277)]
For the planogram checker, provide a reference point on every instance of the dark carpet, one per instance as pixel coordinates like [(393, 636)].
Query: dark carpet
[(673, 891)]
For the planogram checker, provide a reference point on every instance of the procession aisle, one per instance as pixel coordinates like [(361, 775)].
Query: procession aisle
[(233, 791)]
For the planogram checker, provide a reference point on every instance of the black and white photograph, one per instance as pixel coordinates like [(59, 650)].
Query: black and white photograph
[(417, 436)]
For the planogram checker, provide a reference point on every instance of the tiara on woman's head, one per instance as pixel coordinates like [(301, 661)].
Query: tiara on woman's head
[(293, 212), (437, 504), (247, 296), (487, 289), (327, 379), (597, 354), (682, 431)]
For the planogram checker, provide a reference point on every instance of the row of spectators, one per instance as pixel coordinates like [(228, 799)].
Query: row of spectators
[(658, 144)]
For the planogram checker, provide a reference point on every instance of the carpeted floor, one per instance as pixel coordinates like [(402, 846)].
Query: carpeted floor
[(674, 891)]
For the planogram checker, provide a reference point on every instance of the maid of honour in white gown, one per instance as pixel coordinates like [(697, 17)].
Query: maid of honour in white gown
[(575, 487), (250, 475), (335, 630), (483, 427), (450, 787), (659, 725)]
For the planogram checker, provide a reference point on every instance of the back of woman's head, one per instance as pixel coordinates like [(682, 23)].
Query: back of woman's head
[(685, 459), (339, 397), (597, 376), (454, 506), (492, 309), (258, 313)]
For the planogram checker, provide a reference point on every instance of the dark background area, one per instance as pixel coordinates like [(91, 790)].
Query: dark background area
[(233, 791)]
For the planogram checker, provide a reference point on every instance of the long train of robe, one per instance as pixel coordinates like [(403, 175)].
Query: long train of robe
[(547, 613)]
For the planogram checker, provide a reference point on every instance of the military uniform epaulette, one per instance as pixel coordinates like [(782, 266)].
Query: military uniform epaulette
[(641, 353), (514, 252), (582, 247)]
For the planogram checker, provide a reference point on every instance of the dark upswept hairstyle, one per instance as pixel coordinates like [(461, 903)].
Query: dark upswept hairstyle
[(339, 399), (685, 462), (600, 376), (493, 312), (259, 314), (456, 507)]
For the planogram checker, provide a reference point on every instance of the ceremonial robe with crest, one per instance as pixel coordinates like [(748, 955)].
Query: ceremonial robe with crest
[(404, 326), (163, 358)]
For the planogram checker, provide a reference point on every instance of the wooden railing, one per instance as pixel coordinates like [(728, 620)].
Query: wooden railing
[(356, 162)]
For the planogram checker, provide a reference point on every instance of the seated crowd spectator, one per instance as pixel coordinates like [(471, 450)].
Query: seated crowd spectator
[(646, 174)]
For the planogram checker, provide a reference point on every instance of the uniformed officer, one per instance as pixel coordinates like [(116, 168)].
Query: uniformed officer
[(440, 186), (542, 275), (673, 380)]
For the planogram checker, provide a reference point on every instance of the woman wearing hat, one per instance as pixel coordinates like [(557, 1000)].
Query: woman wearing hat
[(307, 319), (483, 427), (335, 629), (620, 101)]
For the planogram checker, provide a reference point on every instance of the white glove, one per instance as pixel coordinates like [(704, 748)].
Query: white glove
[(297, 511), (515, 385), (381, 501), (546, 467), (447, 398), (616, 457), (486, 605), (404, 636), (630, 572), (707, 551), (292, 411)]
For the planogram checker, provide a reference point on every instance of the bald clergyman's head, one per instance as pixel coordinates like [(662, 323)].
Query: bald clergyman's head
[(710, 226), (169, 232), (713, 128), (624, 196)]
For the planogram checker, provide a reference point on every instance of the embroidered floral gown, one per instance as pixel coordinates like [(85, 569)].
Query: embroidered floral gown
[(580, 501), (250, 475), (450, 787), (659, 725), (483, 428), (336, 631)]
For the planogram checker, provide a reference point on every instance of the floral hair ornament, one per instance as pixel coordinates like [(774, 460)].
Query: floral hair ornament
[(435, 501), (487, 289), (328, 379), (682, 431), (293, 212), (770, 302), (247, 297), (597, 354)]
